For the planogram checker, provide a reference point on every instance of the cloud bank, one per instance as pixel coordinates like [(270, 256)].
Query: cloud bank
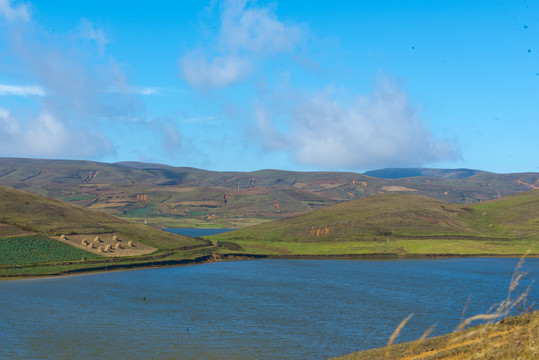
[(72, 96), (379, 130)]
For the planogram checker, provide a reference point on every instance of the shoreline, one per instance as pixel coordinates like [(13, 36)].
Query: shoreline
[(212, 258)]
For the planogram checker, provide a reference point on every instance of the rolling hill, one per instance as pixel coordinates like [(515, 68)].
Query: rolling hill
[(37, 214), (186, 197), (401, 225)]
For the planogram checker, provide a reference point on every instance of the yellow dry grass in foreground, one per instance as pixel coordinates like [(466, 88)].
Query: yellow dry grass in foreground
[(511, 339)]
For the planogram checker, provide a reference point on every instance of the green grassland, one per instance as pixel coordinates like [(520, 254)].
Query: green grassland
[(401, 225), (393, 248)]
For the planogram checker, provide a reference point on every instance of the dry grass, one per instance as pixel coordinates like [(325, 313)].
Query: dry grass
[(109, 245), (500, 336), (396, 333)]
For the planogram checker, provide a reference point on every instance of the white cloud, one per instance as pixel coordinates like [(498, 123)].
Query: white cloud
[(9, 126), (220, 72), (13, 13), (256, 30), (246, 36), (22, 90), (145, 90), (46, 136), (139, 90), (172, 139), (379, 130), (75, 78), (88, 31)]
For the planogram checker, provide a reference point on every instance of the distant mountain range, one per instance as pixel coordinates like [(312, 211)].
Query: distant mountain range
[(400, 173), (181, 196)]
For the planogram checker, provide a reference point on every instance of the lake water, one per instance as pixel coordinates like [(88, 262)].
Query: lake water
[(196, 232), (260, 309)]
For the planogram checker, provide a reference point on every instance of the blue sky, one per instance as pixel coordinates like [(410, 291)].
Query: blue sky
[(297, 85)]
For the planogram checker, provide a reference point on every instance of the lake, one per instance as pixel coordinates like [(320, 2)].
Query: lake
[(260, 309), (196, 232)]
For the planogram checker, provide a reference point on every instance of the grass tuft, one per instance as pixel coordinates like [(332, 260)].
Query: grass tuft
[(396, 333)]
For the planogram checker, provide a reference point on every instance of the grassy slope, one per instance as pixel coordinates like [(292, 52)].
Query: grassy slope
[(514, 338), (401, 224), (33, 218), (52, 217), (514, 215)]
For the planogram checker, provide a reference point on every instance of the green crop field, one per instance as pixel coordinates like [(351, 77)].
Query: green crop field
[(38, 249), (77, 198)]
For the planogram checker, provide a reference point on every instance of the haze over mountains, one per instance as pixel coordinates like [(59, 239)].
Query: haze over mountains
[(171, 195)]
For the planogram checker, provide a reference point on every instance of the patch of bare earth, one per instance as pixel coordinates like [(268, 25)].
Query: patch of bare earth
[(396, 188), (109, 245)]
